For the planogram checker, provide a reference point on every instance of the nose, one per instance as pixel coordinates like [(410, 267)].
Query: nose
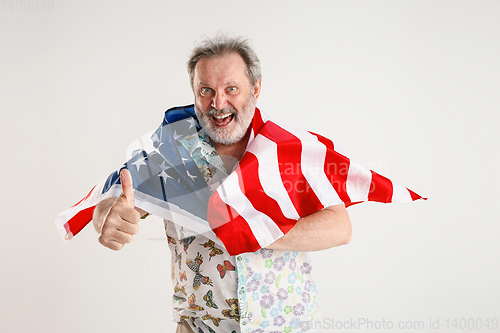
[(219, 101)]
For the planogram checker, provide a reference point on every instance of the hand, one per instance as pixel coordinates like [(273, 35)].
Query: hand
[(120, 223)]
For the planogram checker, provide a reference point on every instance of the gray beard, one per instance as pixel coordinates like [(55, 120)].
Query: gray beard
[(242, 121)]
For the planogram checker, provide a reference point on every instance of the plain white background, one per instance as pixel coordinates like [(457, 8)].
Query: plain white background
[(408, 88)]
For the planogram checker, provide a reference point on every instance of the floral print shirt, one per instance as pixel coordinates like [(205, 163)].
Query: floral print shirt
[(264, 291)]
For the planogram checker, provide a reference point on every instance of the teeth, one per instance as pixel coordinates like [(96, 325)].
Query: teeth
[(222, 116)]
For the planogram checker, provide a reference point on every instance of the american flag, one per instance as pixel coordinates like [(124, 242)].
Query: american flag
[(284, 175)]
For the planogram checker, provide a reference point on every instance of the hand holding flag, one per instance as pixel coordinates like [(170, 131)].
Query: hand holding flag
[(120, 220)]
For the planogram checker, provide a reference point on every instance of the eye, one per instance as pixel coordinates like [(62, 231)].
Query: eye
[(205, 91), (231, 89)]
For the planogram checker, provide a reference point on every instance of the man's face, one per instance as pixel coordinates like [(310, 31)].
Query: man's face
[(224, 97)]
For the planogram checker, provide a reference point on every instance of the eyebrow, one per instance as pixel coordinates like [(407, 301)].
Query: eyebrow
[(228, 83)]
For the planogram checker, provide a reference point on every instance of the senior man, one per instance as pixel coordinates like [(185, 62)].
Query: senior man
[(270, 290)]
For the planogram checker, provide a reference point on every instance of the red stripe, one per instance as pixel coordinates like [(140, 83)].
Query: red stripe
[(336, 169), (86, 197), (415, 196), (380, 189), (257, 121), (252, 188), (80, 220), (327, 142), (237, 236), (230, 227), (289, 146), (218, 212)]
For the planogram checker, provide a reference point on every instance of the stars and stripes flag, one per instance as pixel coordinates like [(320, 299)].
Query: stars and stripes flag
[(285, 174)]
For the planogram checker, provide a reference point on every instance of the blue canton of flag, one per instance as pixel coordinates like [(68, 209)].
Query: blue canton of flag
[(166, 181)]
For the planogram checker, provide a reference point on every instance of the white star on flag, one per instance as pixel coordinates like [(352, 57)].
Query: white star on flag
[(138, 163), (136, 152), (190, 175), (164, 175), (177, 136), (191, 122), (158, 147)]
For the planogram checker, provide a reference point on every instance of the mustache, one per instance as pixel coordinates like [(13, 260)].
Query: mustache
[(215, 112)]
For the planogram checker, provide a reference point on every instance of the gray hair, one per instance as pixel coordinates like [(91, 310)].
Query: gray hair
[(221, 45)]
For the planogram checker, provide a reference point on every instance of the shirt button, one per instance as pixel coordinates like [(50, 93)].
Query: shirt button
[(240, 258)]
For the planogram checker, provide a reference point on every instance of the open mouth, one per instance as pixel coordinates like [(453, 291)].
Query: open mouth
[(223, 119)]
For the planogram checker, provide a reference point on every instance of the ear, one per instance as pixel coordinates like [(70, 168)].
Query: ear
[(256, 89)]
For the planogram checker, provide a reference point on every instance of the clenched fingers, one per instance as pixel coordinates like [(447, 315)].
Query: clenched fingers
[(120, 226)]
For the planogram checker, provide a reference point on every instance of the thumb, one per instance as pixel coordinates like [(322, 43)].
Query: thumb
[(127, 189)]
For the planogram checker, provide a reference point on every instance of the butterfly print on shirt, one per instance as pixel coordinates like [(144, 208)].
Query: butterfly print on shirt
[(194, 265), (210, 244), (223, 268)]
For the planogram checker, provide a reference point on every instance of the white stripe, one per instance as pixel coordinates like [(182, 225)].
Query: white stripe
[(263, 228), (358, 182), (94, 198), (313, 167), (174, 213), (69, 213), (266, 152), (400, 193), (263, 118)]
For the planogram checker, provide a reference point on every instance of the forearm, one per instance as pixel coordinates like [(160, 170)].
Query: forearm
[(322, 230)]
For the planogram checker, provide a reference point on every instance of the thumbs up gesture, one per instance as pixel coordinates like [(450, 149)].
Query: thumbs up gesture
[(117, 218)]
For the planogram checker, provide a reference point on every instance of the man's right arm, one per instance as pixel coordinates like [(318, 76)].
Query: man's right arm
[(116, 219)]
